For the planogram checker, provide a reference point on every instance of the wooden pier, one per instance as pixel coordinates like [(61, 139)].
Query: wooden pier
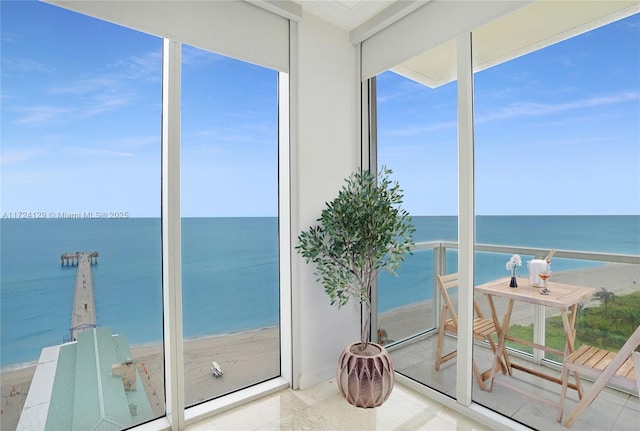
[(73, 258), (84, 310)]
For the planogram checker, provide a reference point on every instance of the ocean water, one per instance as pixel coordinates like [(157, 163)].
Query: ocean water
[(605, 234), (229, 278), (229, 271)]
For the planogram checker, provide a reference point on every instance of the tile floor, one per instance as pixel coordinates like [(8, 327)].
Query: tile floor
[(323, 408), (612, 410)]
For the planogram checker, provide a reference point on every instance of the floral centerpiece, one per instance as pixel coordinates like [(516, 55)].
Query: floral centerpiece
[(514, 262)]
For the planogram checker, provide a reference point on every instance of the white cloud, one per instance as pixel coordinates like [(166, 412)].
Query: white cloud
[(412, 131), (532, 109), (16, 157), (98, 152), (38, 115), (144, 66), (25, 65), (258, 133), (100, 93), (523, 109), (103, 103), (43, 115), (83, 86), (99, 99)]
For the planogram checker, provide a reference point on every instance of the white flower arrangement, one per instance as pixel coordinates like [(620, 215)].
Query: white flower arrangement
[(513, 262)]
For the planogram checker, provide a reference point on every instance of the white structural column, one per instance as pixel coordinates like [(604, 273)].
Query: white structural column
[(171, 260), (284, 220), (294, 199), (466, 218), (326, 93)]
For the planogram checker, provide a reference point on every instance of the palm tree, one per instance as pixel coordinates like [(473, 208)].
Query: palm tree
[(605, 296)]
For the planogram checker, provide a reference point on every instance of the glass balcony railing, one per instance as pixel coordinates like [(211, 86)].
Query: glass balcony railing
[(409, 306)]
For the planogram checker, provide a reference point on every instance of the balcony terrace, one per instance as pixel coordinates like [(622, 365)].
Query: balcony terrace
[(412, 332)]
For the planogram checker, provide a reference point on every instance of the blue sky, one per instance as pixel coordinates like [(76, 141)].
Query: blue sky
[(81, 111), (557, 131)]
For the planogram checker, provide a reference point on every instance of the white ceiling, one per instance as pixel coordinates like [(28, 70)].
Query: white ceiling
[(346, 14)]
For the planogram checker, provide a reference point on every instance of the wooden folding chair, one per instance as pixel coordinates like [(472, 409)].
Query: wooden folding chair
[(620, 369), (483, 329)]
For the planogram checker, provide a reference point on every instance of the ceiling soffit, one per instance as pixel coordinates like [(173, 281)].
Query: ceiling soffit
[(525, 30), (346, 14)]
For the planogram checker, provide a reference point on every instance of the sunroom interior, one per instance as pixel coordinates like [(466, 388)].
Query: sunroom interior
[(327, 55)]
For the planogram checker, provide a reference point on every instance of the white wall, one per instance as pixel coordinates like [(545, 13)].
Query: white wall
[(326, 153)]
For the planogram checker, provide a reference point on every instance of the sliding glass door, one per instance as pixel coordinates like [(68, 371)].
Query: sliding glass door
[(554, 177), (557, 150), (416, 139)]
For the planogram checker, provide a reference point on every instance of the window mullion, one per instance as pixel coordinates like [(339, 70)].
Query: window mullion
[(466, 218), (171, 257)]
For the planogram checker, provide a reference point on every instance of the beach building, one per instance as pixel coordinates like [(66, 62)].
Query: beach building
[(86, 385), (327, 55)]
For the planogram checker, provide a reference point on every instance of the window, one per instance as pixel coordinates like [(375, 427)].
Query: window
[(556, 167), (81, 172), (81, 255), (229, 200), (556, 148), (417, 139)]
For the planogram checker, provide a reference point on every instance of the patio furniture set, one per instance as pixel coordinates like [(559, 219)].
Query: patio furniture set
[(621, 368)]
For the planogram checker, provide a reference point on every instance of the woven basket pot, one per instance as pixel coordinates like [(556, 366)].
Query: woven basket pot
[(365, 381)]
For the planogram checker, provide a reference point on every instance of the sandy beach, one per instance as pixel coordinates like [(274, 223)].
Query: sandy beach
[(251, 357), (245, 358)]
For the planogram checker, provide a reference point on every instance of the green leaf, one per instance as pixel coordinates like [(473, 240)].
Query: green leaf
[(362, 232)]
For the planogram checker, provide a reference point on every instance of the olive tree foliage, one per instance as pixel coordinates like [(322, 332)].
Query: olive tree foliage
[(362, 232)]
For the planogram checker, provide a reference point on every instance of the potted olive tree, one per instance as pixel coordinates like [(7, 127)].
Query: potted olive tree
[(362, 232)]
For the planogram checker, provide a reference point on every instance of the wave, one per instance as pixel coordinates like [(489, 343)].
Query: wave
[(18, 366), (207, 337)]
